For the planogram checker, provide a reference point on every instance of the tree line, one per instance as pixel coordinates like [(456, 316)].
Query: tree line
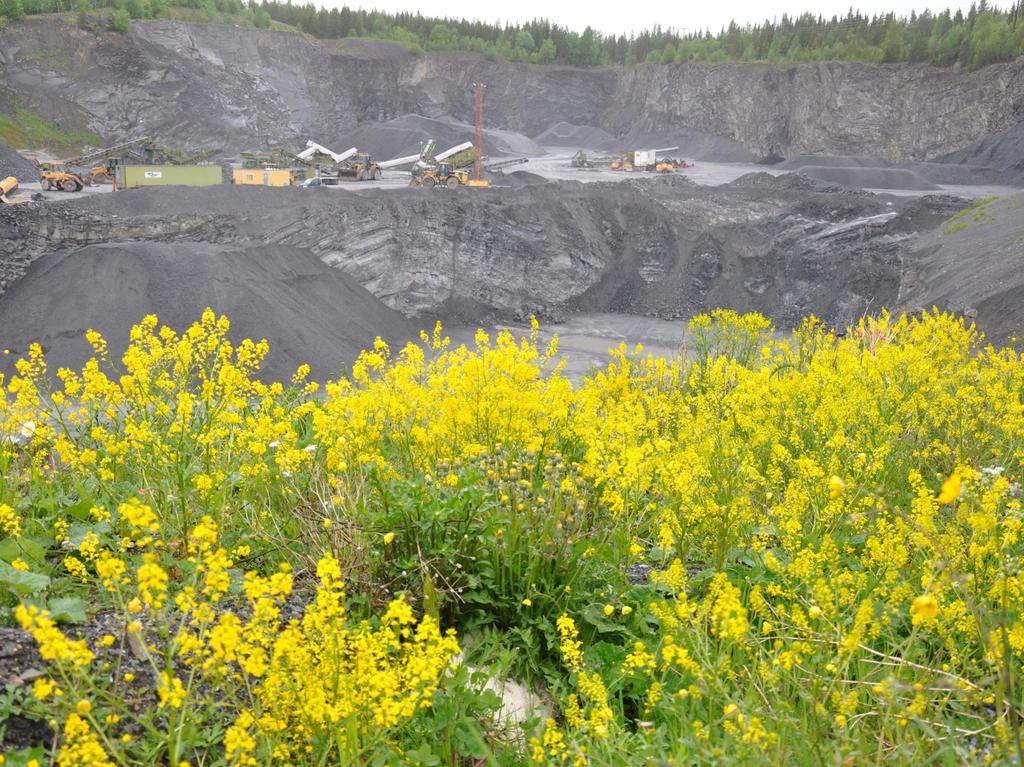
[(965, 41), (982, 36)]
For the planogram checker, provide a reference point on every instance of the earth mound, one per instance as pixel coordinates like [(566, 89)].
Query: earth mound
[(869, 178), (309, 312), (403, 135), (832, 161), (1002, 151), (948, 173), (14, 164), (565, 134), (518, 178)]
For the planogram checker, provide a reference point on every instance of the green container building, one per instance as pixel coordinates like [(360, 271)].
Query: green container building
[(134, 176)]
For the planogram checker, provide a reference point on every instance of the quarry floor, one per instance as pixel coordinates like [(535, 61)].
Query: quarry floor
[(555, 166)]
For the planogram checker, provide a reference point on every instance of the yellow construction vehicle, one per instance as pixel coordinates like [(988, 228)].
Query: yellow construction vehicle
[(7, 189), (664, 166), (360, 167), (442, 174), (624, 163), (52, 178), (101, 174)]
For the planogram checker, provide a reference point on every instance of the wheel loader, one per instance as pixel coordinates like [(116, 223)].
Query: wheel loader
[(441, 174), (53, 179), (361, 168)]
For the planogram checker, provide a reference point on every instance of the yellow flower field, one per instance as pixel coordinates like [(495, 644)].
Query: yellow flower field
[(798, 550)]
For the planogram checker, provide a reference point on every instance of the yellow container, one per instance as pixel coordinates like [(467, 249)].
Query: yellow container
[(263, 176)]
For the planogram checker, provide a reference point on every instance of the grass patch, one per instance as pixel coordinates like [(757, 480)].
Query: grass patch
[(49, 58), (976, 213), (22, 128)]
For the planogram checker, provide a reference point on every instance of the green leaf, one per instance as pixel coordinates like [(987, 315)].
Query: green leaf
[(423, 756), (594, 615), (26, 548), (80, 510), (21, 582), (67, 609)]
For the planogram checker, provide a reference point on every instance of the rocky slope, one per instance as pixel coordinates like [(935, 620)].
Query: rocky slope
[(206, 85), (785, 246), (939, 269)]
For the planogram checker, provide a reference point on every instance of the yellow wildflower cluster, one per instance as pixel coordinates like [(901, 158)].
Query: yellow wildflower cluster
[(325, 682), (832, 528)]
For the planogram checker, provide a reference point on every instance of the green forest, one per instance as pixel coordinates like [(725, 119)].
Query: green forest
[(982, 36), (964, 41)]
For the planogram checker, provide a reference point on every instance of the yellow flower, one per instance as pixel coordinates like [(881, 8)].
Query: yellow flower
[(20, 564), (923, 609), (107, 640), (83, 707), (528, 603), (609, 610), (625, 609), (836, 486), (388, 538), (9, 521), (950, 488), (42, 688)]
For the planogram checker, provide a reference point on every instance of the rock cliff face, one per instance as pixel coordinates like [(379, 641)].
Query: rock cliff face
[(207, 85), (783, 246)]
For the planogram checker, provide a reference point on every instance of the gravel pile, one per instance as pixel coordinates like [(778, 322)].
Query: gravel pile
[(869, 178), (799, 161), (564, 134), (402, 136), (309, 312), (1002, 151), (517, 178), (14, 164)]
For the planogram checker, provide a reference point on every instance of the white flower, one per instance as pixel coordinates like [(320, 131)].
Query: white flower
[(28, 429)]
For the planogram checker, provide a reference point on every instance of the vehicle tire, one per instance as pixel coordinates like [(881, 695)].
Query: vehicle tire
[(452, 182), (45, 185), (415, 182), (70, 185), (101, 178), (361, 176), (429, 182), (376, 174)]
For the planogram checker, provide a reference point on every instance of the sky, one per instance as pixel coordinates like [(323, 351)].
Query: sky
[(637, 15)]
